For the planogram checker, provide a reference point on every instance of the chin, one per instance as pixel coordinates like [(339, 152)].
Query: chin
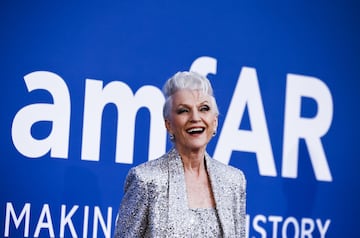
[(197, 146)]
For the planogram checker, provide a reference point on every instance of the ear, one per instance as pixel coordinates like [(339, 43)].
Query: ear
[(168, 126), (216, 122)]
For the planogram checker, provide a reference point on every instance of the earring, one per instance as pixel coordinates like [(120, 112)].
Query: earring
[(214, 133), (172, 137)]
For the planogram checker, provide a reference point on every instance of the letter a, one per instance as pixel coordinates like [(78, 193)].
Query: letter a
[(257, 140), (58, 113)]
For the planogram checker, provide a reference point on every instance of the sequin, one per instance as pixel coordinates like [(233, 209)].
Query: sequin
[(155, 201), (205, 223)]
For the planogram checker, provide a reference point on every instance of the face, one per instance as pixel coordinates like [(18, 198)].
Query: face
[(192, 120)]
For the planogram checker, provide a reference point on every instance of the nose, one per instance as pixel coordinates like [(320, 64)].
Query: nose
[(195, 117)]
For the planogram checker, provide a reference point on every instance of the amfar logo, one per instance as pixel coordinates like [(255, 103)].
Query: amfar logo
[(231, 138)]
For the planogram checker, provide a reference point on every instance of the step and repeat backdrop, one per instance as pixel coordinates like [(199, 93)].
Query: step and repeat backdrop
[(81, 104)]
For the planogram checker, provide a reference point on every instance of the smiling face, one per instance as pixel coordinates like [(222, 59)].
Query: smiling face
[(192, 120)]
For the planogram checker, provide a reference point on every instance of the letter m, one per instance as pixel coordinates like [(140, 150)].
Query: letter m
[(127, 104), (17, 220)]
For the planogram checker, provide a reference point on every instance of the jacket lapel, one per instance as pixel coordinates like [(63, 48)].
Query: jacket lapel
[(178, 208), (221, 196)]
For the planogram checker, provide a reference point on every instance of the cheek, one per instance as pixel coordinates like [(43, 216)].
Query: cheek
[(213, 122), (176, 123)]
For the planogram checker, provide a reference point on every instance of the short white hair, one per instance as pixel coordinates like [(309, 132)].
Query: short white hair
[(190, 81)]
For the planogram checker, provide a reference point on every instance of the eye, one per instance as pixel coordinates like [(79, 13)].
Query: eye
[(181, 110), (204, 108)]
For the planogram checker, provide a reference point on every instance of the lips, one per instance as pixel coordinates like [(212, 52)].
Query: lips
[(195, 130)]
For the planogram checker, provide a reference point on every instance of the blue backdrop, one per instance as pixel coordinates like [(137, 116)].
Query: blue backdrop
[(286, 77)]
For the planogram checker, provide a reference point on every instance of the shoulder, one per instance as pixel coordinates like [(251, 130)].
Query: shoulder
[(150, 171), (227, 173), (159, 163)]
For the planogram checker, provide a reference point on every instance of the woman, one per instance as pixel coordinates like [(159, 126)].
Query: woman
[(185, 193)]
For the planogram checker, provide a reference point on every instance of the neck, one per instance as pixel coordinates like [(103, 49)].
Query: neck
[(193, 161)]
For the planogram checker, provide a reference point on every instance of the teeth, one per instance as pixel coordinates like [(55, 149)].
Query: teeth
[(195, 130)]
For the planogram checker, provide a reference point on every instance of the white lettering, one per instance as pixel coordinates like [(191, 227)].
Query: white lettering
[(285, 227), (99, 218), (45, 221), (310, 129), (25, 212), (204, 65), (323, 228), (307, 232), (66, 220), (42, 224), (232, 138), (118, 93), (257, 140), (58, 113), (247, 229), (291, 227), (257, 227), (86, 222), (275, 220)]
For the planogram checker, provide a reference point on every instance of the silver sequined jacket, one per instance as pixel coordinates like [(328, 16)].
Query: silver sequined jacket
[(155, 200)]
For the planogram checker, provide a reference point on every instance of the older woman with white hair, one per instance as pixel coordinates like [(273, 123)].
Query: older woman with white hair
[(185, 193)]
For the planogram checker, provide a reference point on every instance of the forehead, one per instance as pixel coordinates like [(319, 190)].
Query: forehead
[(189, 97)]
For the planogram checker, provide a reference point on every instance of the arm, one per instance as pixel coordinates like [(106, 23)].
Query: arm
[(132, 216)]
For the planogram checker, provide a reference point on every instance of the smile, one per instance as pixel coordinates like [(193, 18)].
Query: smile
[(195, 130)]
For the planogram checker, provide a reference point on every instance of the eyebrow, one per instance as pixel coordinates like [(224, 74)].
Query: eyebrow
[(187, 105)]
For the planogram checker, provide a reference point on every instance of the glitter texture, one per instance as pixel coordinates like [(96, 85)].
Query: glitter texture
[(205, 223), (155, 201)]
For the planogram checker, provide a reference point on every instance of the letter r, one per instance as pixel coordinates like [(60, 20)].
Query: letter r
[(309, 129)]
